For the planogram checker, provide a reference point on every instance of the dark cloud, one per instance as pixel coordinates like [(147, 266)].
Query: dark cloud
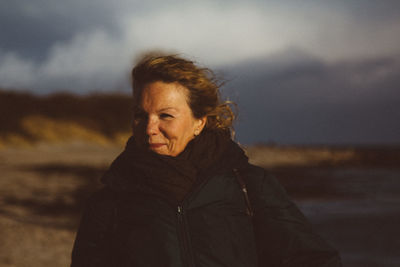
[(31, 28), (370, 9), (313, 102)]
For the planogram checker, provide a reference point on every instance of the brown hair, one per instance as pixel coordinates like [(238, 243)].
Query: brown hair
[(202, 84)]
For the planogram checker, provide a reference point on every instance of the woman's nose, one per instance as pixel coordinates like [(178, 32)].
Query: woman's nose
[(152, 127)]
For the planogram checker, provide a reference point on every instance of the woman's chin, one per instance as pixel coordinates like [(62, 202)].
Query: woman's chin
[(160, 149)]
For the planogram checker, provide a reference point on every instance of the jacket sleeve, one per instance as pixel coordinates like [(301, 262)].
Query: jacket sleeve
[(92, 243), (283, 235)]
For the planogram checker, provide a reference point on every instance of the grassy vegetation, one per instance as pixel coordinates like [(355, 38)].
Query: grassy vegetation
[(99, 118)]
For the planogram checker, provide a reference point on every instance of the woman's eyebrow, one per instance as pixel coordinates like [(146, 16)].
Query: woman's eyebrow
[(167, 108)]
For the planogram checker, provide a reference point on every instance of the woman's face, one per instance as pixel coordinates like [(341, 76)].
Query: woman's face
[(164, 121)]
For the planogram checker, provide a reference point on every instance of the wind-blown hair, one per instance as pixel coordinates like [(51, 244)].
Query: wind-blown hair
[(203, 87)]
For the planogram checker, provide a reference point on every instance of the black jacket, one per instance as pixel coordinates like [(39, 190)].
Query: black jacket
[(209, 228)]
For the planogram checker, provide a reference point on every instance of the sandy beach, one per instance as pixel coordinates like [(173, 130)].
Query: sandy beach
[(351, 196)]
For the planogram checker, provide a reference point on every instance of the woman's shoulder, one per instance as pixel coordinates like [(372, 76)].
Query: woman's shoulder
[(264, 187), (103, 199), (256, 175), (102, 194)]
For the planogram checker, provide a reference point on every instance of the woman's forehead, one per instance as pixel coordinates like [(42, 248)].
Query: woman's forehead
[(162, 96)]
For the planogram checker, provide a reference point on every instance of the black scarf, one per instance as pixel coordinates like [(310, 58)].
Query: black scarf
[(170, 177)]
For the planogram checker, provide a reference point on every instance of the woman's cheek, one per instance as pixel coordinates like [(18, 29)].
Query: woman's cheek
[(167, 129)]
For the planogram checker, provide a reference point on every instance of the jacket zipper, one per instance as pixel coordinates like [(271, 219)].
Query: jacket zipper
[(182, 223), (243, 187), (187, 256)]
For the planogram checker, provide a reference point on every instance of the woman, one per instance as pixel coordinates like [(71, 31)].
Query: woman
[(182, 193)]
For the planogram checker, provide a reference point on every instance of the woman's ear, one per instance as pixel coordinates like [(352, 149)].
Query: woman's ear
[(200, 123)]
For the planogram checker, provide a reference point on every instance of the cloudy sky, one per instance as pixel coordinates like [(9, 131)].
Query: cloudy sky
[(328, 58)]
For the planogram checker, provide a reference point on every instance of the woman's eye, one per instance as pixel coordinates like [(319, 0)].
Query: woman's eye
[(165, 116)]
